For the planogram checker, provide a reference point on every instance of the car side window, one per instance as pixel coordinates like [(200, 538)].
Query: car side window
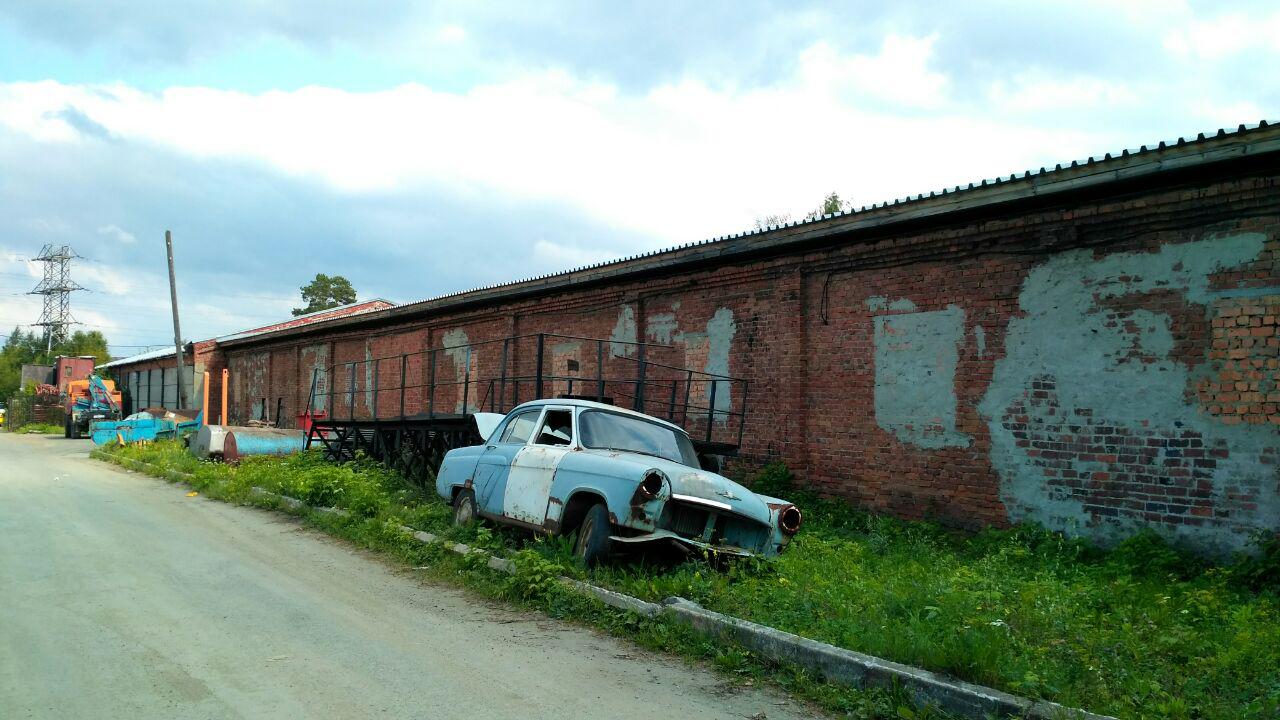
[(520, 427), (557, 428)]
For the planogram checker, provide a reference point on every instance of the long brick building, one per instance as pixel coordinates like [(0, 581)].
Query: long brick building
[(1092, 347)]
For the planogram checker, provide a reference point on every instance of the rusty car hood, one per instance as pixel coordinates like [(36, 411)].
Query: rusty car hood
[(694, 483)]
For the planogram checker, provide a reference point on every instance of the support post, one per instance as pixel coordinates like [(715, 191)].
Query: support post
[(711, 408), (351, 391), (404, 380), (431, 385), (688, 388), (599, 371), (226, 374), (639, 403), (377, 366), (311, 396), (204, 401), (538, 381), (502, 388), (466, 383), (177, 330)]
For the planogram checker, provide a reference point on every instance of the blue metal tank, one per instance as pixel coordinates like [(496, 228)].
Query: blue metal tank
[(243, 442)]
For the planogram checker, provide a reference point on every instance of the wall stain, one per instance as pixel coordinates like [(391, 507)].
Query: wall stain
[(624, 332), (458, 349), (915, 358), (1094, 430)]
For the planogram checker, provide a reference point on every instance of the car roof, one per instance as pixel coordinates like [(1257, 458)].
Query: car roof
[(574, 402)]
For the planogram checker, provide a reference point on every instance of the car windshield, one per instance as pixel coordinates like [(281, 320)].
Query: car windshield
[(612, 431)]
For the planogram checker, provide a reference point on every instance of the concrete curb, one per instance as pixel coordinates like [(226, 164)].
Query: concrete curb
[(614, 599), (853, 668), (836, 664)]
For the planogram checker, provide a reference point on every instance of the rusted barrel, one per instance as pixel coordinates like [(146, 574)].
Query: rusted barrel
[(208, 441), (242, 442)]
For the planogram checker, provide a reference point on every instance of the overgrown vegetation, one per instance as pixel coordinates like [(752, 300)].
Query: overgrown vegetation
[(1140, 631), (38, 429), (21, 348)]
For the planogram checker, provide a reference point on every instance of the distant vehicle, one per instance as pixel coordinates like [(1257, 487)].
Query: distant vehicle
[(88, 401), (614, 476), (2, 414)]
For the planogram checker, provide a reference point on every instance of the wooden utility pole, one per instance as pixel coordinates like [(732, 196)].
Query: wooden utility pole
[(177, 329)]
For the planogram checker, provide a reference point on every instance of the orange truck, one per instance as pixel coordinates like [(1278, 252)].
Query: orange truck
[(88, 401)]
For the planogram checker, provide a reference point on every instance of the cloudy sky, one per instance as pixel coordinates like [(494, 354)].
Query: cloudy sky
[(426, 147)]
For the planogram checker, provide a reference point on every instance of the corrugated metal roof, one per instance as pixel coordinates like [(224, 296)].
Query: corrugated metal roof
[(140, 357), (374, 304)]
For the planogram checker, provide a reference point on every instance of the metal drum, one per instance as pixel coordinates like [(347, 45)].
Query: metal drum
[(242, 442)]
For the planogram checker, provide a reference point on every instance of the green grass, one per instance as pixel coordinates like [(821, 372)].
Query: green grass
[(38, 428), (1141, 631)]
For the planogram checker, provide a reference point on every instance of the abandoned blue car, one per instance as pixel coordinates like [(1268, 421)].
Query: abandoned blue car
[(614, 476)]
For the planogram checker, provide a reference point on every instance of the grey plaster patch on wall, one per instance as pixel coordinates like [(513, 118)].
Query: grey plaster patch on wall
[(624, 332), (1117, 374), (720, 331), (915, 396), (879, 303), (980, 339), (661, 328), (458, 347)]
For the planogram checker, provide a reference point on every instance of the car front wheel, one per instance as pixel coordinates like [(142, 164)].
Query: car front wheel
[(464, 508), (593, 536)]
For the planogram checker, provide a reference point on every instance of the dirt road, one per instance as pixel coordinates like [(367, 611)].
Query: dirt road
[(120, 597)]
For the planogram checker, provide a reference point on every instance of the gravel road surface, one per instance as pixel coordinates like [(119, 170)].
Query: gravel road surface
[(120, 597)]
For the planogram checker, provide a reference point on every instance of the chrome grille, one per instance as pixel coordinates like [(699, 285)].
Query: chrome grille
[(685, 520)]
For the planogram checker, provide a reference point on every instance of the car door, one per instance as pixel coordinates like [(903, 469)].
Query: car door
[(495, 463), (528, 487)]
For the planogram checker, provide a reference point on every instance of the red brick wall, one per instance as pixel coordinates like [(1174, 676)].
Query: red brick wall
[(1096, 368)]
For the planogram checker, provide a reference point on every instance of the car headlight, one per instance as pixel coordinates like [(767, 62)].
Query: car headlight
[(651, 486), (790, 519)]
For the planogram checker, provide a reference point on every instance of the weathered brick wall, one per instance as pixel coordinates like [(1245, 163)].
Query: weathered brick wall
[(206, 357), (1095, 368)]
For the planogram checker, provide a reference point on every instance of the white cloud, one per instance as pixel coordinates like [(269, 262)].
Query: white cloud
[(102, 278), (681, 162), (561, 256), (451, 34), (899, 73), (117, 233), (1037, 92), (1225, 35)]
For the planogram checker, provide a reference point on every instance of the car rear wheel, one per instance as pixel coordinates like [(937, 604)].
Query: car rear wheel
[(464, 508), (75, 430), (593, 536), (66, 428)]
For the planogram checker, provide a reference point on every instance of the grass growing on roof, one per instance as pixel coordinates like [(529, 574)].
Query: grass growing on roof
[(1141, 631)]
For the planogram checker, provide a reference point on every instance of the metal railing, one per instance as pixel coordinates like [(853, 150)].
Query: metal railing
[(497, 375)]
